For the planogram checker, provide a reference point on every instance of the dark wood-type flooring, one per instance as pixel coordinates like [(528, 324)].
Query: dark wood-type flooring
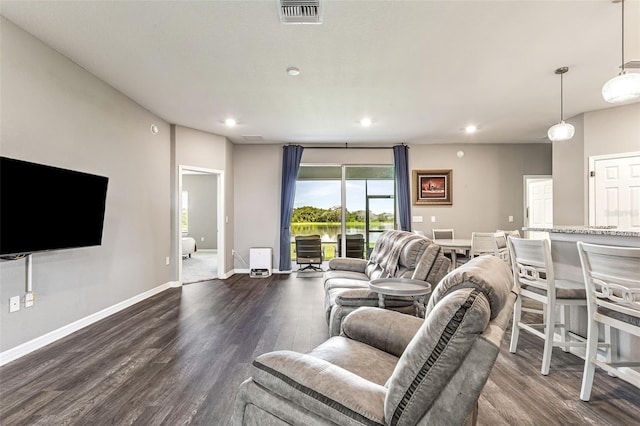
[(178, 358)]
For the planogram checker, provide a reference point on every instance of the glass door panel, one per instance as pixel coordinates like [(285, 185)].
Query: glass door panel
[(369, 193)]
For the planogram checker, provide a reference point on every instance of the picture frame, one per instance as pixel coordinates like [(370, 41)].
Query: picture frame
[(433, 187)]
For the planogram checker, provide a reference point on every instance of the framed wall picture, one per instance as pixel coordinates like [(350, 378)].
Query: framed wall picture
[(432, 187)]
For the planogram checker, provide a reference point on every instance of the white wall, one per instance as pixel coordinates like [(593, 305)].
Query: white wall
[(54, 112), (607, 131), (488, 186)]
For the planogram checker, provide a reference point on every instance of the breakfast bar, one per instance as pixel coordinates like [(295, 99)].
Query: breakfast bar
[(566, 264)]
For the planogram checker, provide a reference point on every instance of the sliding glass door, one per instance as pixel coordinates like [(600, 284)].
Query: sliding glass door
[(347, 205)]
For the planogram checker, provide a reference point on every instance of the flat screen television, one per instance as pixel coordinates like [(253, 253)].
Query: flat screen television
[(48, 208)]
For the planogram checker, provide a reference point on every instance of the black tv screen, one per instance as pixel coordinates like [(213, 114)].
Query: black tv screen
[(48, 208)]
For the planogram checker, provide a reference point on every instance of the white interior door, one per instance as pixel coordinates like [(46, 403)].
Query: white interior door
[(614, 188), (538, 204)]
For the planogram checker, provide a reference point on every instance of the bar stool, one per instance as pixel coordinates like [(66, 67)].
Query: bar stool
[(534, 278), (612, 277)]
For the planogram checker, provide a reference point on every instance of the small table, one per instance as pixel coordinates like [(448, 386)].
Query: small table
[(453, 245), (402, 287)]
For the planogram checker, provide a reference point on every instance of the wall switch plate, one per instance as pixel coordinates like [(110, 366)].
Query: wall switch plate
[(510, 218), (14, 304), (417, 219), (168, 260), (201, 238), (433, 219), (28, 299)]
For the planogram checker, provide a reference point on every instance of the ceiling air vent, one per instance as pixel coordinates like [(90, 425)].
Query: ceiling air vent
[(300, 11)]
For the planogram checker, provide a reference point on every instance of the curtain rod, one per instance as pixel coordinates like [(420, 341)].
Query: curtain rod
[(346, 146)]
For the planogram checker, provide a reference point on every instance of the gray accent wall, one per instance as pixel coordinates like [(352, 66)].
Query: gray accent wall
[(203, 209), (487, 186), (56, 113)]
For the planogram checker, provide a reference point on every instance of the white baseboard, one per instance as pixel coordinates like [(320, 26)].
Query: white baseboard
[(39, 342)]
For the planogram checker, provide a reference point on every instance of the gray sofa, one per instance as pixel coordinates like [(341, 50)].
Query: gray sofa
[(397, 254), (387, 368)]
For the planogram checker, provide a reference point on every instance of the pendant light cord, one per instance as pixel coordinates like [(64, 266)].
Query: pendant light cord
[(622, 72), (561, 98)]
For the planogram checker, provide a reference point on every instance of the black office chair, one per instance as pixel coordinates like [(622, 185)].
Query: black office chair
[(309, 252), (355, 246)]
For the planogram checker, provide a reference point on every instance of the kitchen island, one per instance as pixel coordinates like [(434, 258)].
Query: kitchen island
[(566, 264)]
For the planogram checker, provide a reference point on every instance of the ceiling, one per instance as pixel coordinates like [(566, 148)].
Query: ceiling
[(421, 70)]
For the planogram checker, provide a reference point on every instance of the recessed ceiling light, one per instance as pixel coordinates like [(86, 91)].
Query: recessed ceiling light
[(470, 128), (365, 122), (230, 122), (293, 71)]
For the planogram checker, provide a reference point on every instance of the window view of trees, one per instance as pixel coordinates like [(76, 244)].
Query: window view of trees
[(309, 214), (317, 209)]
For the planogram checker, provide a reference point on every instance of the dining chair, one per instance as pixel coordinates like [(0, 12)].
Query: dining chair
[(534, 279), (481, 243), (443, 234), (501, 245), (612, 278), (510, 233)]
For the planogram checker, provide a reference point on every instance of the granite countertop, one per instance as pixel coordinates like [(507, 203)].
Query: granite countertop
[(591, 230)]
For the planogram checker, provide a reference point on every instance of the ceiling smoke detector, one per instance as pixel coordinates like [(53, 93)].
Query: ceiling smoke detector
[(300, 11)]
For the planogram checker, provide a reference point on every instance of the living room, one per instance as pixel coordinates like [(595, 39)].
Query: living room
[(56, 112)]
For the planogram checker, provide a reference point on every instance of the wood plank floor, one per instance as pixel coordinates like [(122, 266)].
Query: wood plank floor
[(178, 358)]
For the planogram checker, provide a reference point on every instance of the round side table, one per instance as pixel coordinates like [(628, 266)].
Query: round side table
[(402, 287)]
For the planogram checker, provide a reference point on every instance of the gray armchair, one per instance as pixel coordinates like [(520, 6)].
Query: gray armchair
[(387, 368)]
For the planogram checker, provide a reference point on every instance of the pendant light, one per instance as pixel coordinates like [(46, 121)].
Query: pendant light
[(624, 86), (561, 131)]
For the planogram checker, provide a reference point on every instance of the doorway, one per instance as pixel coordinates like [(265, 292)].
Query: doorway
[(538, 204), (200, 246), (614, 190)]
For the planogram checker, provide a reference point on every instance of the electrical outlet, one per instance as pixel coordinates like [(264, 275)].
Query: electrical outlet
[(433, 219), (510, 218), (417, 219), (201, 238), (28, 299), (14, 304)]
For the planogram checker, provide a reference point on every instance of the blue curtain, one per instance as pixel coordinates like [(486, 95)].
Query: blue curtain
[(291, 156), (401, 162)]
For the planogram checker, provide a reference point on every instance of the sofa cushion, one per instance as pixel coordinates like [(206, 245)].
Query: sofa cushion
[(318, 386), (344, 279), (434, 354), (356, 297), (386, 330), (347, 264), (359, 358)]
